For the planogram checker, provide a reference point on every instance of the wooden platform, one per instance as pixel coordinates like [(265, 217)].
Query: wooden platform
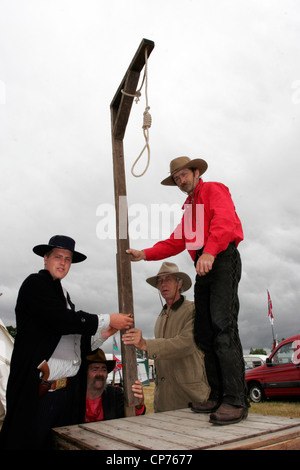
[(181, 430)]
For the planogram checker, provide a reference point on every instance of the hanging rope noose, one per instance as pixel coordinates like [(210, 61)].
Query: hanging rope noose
[(147, 120)]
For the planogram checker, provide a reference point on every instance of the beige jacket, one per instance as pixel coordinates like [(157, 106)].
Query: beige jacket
[(179, 364)]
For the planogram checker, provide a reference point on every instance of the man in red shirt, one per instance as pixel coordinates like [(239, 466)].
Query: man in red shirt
[(211, 231), (105, 401)]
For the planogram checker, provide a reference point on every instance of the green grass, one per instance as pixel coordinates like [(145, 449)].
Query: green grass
[(289, 408), (284, 407)]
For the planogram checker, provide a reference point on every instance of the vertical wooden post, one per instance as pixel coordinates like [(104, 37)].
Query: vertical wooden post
[(120, 110)]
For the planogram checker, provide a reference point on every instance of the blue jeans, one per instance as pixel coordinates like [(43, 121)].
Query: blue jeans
[(216, 328)]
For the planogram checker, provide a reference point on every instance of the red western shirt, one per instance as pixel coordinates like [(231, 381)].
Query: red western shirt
[(209, 221)]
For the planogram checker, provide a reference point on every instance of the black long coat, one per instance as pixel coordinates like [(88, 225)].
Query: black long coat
[(42, 318)]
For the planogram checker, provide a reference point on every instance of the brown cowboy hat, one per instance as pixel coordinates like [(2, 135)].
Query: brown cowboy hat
[(180, 163), (171, 268), (99, 356)]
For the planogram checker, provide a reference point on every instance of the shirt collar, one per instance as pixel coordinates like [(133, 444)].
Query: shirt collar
[(176, 304), (196, 191)]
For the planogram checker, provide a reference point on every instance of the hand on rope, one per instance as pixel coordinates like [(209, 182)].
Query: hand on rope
[(147, 121)]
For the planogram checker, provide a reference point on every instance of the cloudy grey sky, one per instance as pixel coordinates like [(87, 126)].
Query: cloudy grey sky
[(224, 85)]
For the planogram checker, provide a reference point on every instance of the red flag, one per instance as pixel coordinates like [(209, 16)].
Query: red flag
[(270, 313), (118, 363)]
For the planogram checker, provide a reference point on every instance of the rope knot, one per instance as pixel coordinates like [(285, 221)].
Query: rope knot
[(137, 95), (147, 119)]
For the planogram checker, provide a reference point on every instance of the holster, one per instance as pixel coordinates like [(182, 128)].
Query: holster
[(44, 385), (43, 388)]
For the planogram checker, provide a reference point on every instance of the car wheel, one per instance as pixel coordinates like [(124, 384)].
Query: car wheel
[(256, 393)]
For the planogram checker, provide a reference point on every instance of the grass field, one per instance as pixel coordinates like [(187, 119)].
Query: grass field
[(284, 407)]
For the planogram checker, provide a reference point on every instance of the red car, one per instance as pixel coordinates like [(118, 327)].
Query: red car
[(280, 375)]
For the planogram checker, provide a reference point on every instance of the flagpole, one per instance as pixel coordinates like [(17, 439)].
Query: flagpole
[(118, 366), (114, 346), (271, 317), (274, 342)]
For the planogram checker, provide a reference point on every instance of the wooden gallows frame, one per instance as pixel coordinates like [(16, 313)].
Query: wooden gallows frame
[(120, 110)]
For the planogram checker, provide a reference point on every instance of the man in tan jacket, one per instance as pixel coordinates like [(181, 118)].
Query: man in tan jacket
[(179, 364)]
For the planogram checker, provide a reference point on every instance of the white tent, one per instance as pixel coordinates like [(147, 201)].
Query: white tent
[(6, 347)]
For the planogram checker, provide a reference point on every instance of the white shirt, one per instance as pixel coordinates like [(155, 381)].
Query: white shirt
[(60, 368)]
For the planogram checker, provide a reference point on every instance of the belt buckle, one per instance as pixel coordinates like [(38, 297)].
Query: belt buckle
[(61, 383)]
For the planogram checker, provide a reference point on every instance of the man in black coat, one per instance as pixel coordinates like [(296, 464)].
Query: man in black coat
[(51, 335)]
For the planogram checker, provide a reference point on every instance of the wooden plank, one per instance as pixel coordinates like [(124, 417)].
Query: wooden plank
[(252, 423), (121, 104), (199, 433), (140, 437), (120, 110), (124, 278), (291, 444), (76, 437), (185, 430), (147, 436), (286, 439), (200, 423), (192, 428)]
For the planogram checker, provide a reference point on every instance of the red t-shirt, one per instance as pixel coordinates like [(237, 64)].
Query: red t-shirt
[(94, 410)]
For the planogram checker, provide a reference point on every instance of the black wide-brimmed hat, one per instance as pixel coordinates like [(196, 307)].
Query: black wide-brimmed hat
[(60, 241)]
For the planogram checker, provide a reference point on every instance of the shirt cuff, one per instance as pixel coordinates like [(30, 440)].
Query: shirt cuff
[(139, 411), (103, 322)]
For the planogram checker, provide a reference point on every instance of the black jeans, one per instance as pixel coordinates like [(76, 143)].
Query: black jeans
[(216, 328)]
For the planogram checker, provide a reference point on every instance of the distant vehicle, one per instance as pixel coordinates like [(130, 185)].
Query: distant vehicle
[(254, 360), (279, 376)]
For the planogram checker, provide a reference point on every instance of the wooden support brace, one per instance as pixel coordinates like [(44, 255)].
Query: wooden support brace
[(120, 110)]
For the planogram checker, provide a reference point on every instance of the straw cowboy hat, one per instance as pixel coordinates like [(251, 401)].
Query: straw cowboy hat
[(171, 268), (60, 241), (180, 163), (99, 356)]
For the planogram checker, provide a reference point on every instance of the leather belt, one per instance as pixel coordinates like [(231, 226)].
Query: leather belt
[(52, 385), (59, 383)]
